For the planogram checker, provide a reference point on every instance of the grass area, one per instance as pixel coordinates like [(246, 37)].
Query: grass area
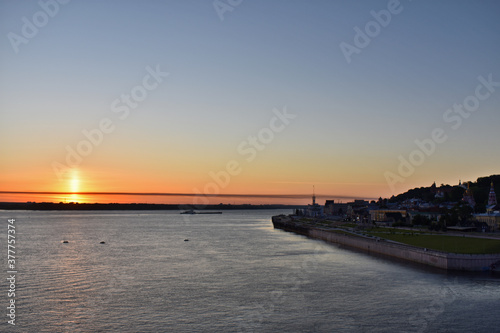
[(325, 223), (349, 225), (308, 220), (397, 230), (453, 244)]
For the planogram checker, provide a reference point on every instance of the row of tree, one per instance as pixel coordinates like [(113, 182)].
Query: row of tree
[(480, 190), (460, 215)]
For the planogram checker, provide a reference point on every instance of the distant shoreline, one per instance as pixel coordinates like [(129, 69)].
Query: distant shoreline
[(132, 206)]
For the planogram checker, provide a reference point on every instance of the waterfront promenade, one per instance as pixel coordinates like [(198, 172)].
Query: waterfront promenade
[(373, 244)]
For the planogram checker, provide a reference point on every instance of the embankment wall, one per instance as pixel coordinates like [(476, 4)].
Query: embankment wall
[(435, 259), (450, 261)]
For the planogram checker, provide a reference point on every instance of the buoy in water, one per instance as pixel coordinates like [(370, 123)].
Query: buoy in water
[(102, 242), (65, 242), (186, 240)]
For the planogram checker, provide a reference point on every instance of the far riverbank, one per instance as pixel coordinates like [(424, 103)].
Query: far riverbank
[(130, 206)]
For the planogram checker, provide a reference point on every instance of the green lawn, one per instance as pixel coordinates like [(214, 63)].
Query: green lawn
[(349, 225), (383, 229), (453, 244)]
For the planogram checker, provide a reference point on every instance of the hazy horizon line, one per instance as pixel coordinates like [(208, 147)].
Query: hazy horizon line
[(233, 195)]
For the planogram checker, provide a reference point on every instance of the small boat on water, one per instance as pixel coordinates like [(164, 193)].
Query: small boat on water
[(193, 212)]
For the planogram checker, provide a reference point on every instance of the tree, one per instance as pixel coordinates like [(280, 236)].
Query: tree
[(457, 193), (447, 220), (463, 213), (421, 220)]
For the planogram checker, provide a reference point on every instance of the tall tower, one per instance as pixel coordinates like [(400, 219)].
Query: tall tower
[(314, 197), (492, 198)]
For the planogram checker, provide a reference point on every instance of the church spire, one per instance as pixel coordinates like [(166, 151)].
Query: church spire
[(468, 197), (492, 198)]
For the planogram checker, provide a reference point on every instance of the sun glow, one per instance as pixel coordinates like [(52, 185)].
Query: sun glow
[(74, 182), (74, 187)]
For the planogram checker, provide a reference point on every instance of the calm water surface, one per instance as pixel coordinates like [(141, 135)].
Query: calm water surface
[(235, 274)]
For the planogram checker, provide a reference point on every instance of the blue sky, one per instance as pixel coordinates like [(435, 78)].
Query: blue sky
[(226, 76)]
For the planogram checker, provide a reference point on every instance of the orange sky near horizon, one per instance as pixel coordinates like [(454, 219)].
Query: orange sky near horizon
[(274, 170), (78, 180)]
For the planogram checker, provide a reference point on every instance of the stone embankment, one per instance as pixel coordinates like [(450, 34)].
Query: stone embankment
[(444, 260)]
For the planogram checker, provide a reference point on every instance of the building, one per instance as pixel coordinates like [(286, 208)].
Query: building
[(388, 216), (329, 207), (313, 210), (492, 219), (468, 197), (433, 215), (492, 215), (360, 203), (492, 197), (335, 209)]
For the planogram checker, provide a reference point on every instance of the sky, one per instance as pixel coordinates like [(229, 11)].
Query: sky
[(358, 98)]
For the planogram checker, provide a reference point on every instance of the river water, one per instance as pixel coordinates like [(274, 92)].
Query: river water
[(235, 274)]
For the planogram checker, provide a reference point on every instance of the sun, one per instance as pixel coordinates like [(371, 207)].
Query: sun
[(74, 186), (74, 181)]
